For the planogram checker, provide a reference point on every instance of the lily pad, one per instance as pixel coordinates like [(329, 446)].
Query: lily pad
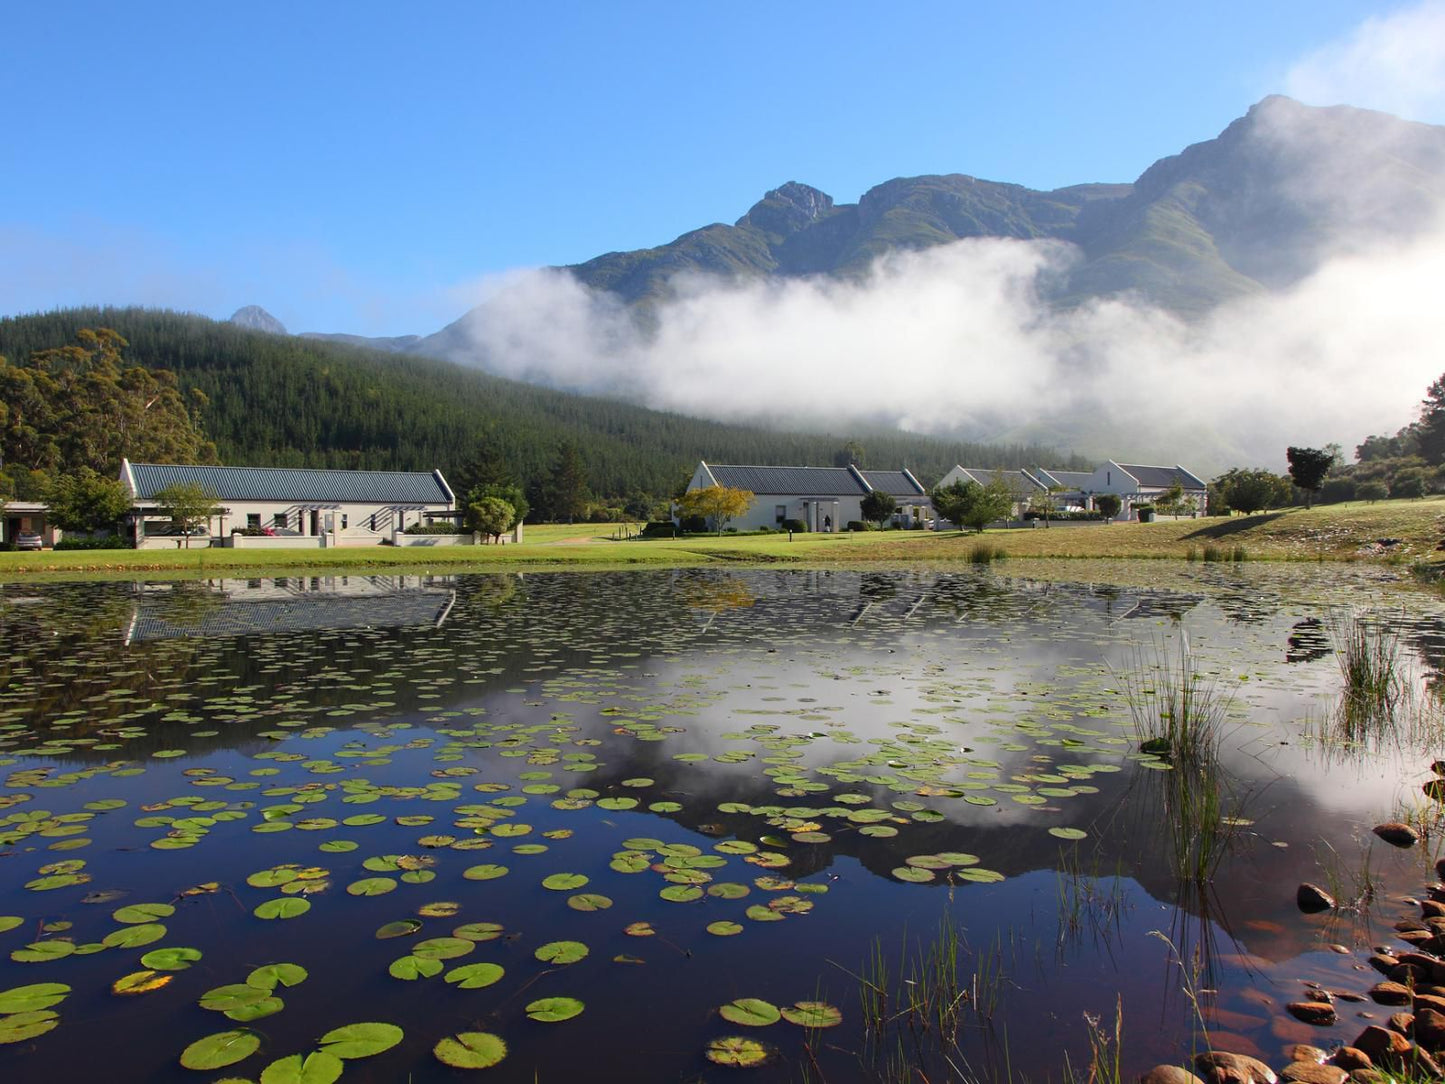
[(283, 907), (272, 975), (479, 931), (134, 936), (724, 928), (220, 1050), (170, 959), (139, 982), (750, 1012), (485, 872), (401, 928), (36, 996), (551, 1010), (589, 901), (470, 1050), (27, 1025), (414, 967), (360, 1040), (371, 886), (474, 976), (318, 1067), (561, 952), (143, 912), (1068, 833), (564, 882), (813, 1014), (739, 1052), (442, 948)]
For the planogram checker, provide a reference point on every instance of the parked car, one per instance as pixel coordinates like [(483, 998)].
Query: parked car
[(28, 541)]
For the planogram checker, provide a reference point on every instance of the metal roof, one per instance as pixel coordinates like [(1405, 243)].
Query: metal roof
[(1069, 479), (292, 485), (896, 483), (798, 481), (1019, 483), (1163, 477)]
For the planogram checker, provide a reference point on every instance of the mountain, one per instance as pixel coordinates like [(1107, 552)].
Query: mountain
[(1246, 213), (273, 400), (394, 343), (255, 318)]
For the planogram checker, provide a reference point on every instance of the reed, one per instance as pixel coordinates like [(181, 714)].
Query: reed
[(1370, 666), (1177, 713)]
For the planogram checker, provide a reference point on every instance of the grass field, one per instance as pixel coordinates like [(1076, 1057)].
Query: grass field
[(1393, 531)]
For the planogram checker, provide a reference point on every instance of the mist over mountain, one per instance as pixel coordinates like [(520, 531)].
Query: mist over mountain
[(1183, 315)]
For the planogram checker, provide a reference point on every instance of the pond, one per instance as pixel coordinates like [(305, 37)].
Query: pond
[(638, 826)]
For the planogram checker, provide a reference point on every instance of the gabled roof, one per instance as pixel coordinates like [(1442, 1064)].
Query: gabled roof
[(1020, 483), (801, 481), (896, 483), (291, 485), (1163, 477), (1069, 479)]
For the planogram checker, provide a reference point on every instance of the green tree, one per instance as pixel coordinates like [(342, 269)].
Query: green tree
[(82, 500), (504, 491), (1308, 467), (851, 454), (1409, 482), (491, 516), (968, 504), (1370, 491), (1171, 502), (716, 503), (188, 505), (1109, 504), (878, 506), (567, 485), (1045, 502), (1251, 490)]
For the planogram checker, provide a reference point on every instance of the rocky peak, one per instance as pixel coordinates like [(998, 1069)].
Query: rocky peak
[(256, 318), (787, 209)]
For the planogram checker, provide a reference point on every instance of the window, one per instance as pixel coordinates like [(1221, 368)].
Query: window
[(279, 520), (253, 519), (780, 513), (343, 521), (373, 521)]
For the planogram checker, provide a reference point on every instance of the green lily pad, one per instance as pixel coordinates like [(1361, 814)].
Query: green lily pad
[(561, 952), (442, 948), (750, 1012), (36, 996), (913, 874), (360, 1040), (143, 912), (486, 872), (283, 907), (267, 1006), (479, 931), (272, 975), (1068, 833), (220, 1050), (27, 1025), (551, 1010), (414, 967), (318, 1067), (589, 901), (724, 928), (564, 882), (813, 1014), (134, 936), (371, 886), (10, 922), (470, 1050), (474, 976), (170, 959), (401, 928), (232, 996)]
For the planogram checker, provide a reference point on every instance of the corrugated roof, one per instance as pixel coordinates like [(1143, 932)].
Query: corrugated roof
[(1069, 479), (294, 486), (1163, 477), (895, 483), (800, 481)]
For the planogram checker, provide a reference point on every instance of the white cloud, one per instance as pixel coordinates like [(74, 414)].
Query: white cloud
[(1394, 62)]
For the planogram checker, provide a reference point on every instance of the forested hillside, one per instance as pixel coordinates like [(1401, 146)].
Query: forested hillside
[(273, 400)]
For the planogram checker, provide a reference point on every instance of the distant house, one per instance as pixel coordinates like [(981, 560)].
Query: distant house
[(337, 507), (1069, 487), (822, 498), (28, 518), (1023, 485), (1135, 484)]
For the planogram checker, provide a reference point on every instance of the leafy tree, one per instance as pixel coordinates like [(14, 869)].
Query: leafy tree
[(491, 516), (1171, 502), (85, 501), (567, 485), (188, 504), (485, 467), (1109, 504), (1408, 483), (509, 492), (969, 504), (878, 507), (717, 503), (1308, 467), (1370, 491), (1252, 490), (1045, 502)]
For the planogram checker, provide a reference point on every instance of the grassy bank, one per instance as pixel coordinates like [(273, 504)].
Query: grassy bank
[(1395, 531)]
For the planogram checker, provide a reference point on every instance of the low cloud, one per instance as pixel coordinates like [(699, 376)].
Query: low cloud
[(1394, 62), (957, 340)]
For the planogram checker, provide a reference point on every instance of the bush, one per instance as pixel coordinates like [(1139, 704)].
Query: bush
[(95, 542), (438, 527), (1336, 490), (663, 528), (1072, 516), (1370, 491), (793, 525), (1408, 483), (859, 525), (694, 524)]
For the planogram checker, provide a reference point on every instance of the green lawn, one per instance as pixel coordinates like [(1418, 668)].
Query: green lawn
[(1341, 532)]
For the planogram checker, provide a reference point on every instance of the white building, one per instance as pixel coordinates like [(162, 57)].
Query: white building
[(822, 498), (1136, 483), (324, 507), (1021, 484)]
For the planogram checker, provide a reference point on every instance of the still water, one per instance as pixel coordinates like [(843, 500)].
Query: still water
[(853, 824)]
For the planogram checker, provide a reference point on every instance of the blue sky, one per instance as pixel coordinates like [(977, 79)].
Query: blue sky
[(358, 167)]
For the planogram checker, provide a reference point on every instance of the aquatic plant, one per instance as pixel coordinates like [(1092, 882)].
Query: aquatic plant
[(984, 553), (1177, 712), (1370, 667)]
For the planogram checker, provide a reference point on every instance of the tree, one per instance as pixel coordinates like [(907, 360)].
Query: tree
[(878, 506), (1245, 490), (1171, 502), (1044, 502), (485, 467), (1370, 491), (717, 503), (850, 455), (968, 504), (1109, 504), (567, 485), (188, 504), (85, 501), (491, 516), (1308, 467), (509, 492), (1409, 482)]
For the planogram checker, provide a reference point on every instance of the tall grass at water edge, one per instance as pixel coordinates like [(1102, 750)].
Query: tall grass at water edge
[(1178, 713)]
